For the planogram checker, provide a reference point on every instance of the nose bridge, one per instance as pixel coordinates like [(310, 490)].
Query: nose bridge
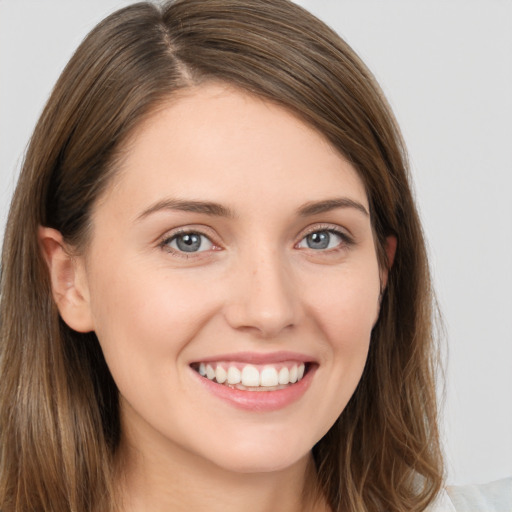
[(263, 298)]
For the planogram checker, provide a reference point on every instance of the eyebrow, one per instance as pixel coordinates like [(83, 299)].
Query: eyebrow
[(205, 207), (316, 207), (218, 210)]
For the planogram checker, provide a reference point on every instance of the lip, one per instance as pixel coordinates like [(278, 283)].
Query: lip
[(259, 358), (259, 401)]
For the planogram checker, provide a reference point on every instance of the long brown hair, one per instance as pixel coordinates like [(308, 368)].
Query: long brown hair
[(59, 418)]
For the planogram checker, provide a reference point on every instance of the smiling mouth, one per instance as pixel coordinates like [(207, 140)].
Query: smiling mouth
[(253, 377)]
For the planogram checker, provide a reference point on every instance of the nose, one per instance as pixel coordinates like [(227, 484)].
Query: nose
[(263, 297)]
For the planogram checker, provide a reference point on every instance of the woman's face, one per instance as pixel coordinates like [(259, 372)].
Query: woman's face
[(234, 242)]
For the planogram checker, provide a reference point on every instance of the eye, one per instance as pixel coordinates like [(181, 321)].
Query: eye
[(321, 240), (189, 242)]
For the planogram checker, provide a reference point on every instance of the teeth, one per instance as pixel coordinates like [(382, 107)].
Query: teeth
[(234, 375), (210, 372), (252, 377), (269, 377), (220, 375), (284, 375)]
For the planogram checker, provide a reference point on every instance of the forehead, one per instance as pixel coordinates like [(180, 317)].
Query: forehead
[(218, 142)]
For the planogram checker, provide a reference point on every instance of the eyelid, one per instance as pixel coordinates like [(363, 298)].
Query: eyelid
[(333, 228), (165, 239), (168, 236), (200, 229)]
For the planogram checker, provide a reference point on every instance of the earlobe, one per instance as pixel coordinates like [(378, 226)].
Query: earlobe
[(68, 280)]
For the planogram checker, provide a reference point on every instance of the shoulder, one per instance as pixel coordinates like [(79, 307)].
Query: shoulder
[(492, 497)]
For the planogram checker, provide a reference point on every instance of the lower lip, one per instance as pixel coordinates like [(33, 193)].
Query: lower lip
[(259, 401)]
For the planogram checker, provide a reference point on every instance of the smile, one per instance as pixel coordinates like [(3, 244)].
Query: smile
[(252, 377), (282, 379)]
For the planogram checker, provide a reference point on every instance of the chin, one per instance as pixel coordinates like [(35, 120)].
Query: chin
[(260, 456), (259, 465)]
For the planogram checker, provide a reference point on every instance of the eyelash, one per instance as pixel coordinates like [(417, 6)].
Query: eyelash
[(168, 239), (346, 241)]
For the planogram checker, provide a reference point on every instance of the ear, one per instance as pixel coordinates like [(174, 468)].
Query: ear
[(68, 280), (390, 248)]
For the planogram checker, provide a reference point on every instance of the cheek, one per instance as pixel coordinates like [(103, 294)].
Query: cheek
[(348, 306), (142, 318), (345, 315)]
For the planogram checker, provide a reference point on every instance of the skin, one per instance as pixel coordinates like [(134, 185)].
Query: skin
[(256, 285)]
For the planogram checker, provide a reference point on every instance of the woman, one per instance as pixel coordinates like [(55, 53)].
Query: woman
[(215, 292)]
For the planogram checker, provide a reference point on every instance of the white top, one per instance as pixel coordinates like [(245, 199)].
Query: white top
[(492, 497)]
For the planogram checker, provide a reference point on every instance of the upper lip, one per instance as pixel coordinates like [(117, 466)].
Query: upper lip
[(258, 357)]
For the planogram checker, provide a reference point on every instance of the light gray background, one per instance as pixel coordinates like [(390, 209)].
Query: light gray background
[(446, 67)]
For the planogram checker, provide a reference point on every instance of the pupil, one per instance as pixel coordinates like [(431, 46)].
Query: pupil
[(318, 240), (189, 242)]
